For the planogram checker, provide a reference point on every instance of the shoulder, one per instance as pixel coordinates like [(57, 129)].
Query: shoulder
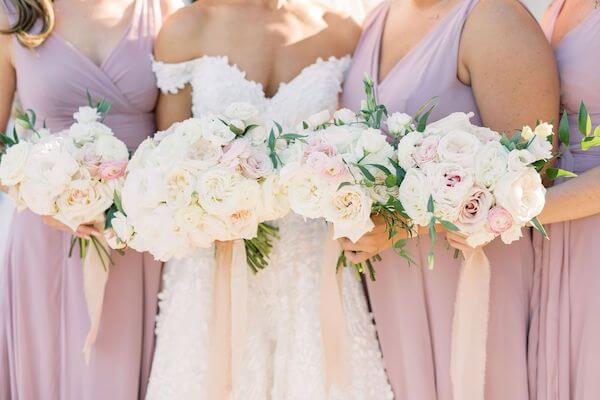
[(177, 40), (169, 7), (343, 31)]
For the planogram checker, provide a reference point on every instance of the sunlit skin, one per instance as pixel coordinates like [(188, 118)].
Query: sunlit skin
[(94, 28), (503, 56)]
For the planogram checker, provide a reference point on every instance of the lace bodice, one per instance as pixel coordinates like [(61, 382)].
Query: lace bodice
[(216, 83)]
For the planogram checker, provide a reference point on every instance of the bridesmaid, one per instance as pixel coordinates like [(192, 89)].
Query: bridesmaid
[(52, 53), (488, 57), (565, 332)]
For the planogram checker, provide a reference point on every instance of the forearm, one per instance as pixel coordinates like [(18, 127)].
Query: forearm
[(576, 198)]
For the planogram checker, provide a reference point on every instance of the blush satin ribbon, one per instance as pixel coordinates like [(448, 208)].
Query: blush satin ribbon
[(470, 327)]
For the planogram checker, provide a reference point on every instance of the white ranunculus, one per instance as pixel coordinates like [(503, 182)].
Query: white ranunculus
[(345, 116), (220, 191), (399, 123), (122, 227), (84, 201), (87, 115), (519, 160), (318, 119), (14, 163), (274, 199), (406, 149), (349, 209), (414, 195), (522, 194), (540, 148), (109, 148), (491, 163), (459, 147), (241, 111), (307, 192)]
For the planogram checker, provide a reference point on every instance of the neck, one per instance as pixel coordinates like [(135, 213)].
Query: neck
[(270, 4), (427, 3)]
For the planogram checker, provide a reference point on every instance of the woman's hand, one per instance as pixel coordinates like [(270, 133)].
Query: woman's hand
[(458, 241), (83, 231), (371, 243)]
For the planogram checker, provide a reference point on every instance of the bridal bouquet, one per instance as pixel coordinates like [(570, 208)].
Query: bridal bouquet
[(71, 175), (474, 180), (203, 180)]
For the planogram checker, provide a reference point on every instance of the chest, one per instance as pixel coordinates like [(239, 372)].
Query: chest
[(570, 17), (94, 28)]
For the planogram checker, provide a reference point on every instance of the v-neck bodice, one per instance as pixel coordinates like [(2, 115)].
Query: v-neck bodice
[(53, 78), (428, 70)]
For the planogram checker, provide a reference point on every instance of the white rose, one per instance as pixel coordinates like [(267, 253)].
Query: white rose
[(519, 160), (454, 122), (522, 194), (203, 154), (406, 149), (540, 148), (84, 133), (349, 209), (414, 195), (544, 130), (399, 123), (14, 163), (370, 141), (345, 116), (220, 191), (459, 147), (474, 210), (216, 131), (274, 200), (122, 227), (180, 184), (258, 135), (241, 111), (318, 119), (306, 192), (86, 115), (109, 148), (84, 201), (491, 163), (527, 133)]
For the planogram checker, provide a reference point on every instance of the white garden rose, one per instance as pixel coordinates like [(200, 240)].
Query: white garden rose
[(459, 147), (399, 124), (519, 160), (406, 149), (122, 227), (14, 163), (522, 194), (194, 221), (109, 148), (216, 131), (203, 154), (491, 163), (256, 165), (83, 201), (179, 185), (243, 224), (241, 111), (274, 199), (450, 185), (370, 141), (540, 148), (87, 115), (414, 195), (220, 191), (142, 155), (318, 119), (345, 116), (306, 191), (454, 122), (349, 209)]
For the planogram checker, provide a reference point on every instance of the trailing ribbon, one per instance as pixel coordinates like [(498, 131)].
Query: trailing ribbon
[(333, 330), (95, 275), (228, 328), (470, 327)]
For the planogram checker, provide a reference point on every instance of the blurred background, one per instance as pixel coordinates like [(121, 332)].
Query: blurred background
[(536, 6)]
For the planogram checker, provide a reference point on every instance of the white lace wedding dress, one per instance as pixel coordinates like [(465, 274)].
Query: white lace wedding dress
[(284, 355)]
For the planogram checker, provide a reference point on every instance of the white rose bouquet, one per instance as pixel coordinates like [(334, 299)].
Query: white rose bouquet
[(71, 176), (203, 180)]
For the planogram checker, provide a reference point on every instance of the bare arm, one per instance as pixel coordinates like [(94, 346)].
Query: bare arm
[(510, 66), (8, 79), (170, 48)]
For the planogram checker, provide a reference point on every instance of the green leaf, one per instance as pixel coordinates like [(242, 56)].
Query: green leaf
[(292, 136), (400, 172), (430, 205), (366, 172), (516, 138), (585, 122), (449, 226), (563, 129), (589, 142), (6, 140), (279, 128), (118, 203), (381, 168), (271, 141), (597, 131), (539, 227), (553, 173)]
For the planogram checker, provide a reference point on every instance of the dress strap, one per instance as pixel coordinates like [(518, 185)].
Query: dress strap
[(8, 8), (147, 18)]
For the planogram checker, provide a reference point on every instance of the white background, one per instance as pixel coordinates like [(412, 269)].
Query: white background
[(536, 6)]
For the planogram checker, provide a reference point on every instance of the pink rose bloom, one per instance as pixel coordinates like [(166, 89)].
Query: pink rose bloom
[(318, 144), (334, 168), (234, 151), (500, 220), (110, 170), (474, 210), (256, 165), (427, 151), (316, 160)]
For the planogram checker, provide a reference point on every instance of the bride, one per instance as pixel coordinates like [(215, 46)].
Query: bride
[(289, 61)]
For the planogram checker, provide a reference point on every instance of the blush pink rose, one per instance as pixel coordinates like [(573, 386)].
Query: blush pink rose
[(334, 168), (257, 165), (500, 220), (318, 144), (427, 151), (234, 151), (474, 210), (110, 170)]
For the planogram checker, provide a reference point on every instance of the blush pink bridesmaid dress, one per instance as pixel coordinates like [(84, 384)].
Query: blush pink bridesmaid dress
[(414, 306), (43, 317), (565, 329)]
